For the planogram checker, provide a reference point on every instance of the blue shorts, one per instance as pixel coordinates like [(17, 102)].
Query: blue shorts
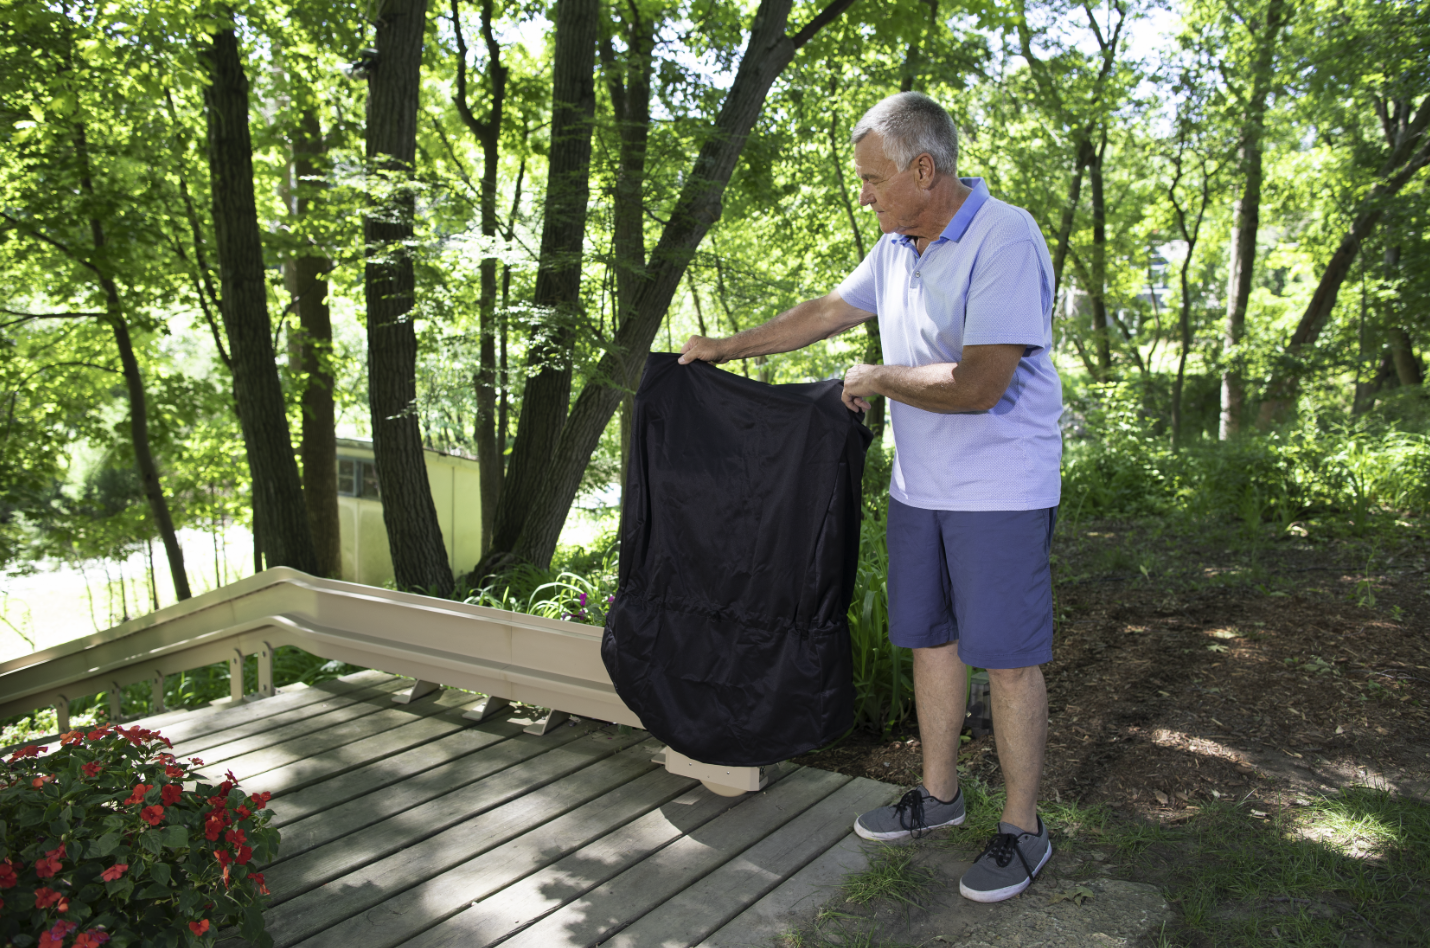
[(980, 578)]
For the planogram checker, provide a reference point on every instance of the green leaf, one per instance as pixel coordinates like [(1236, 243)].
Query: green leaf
[(161, 873), (103, 846), (175, 837), (150, 842), (155, 891)]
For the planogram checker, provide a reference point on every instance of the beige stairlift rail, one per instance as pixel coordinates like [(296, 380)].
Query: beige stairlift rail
[(508, 655)]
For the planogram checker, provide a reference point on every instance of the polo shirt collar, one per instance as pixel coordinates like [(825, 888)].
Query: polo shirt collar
[(963, 217)]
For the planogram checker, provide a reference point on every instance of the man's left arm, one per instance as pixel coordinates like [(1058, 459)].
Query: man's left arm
[(1007, 307), (975, 384)]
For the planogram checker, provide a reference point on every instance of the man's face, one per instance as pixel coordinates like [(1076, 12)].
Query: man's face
[(895, 196)]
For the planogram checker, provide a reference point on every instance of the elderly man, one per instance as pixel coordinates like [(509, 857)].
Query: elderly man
[(962, 286)]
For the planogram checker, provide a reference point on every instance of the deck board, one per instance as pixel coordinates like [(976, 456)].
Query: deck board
[(410, 825), (408, 853), (500, 761)]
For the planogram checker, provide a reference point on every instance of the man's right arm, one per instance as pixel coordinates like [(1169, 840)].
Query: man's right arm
[(795, 328)]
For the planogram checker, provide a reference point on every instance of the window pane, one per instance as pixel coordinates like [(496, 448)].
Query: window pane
[(369, 481), (347, 477)]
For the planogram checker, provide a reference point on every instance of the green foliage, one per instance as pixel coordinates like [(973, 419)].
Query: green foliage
[(102, 839), (579, 586), (1351, 471)]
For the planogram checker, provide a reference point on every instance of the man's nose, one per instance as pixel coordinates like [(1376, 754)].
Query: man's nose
[(866, 196)]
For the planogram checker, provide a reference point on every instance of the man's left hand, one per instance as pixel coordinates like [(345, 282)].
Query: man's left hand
[(860, 382)]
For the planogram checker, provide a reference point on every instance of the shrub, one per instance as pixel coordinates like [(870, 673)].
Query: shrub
[(112, 839)]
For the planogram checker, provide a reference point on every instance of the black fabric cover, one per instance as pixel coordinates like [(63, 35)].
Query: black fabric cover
[(729, 635)]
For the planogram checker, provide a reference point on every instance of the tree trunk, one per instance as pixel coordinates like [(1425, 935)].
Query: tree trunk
[(1098, 287), (143, 453), (134, 386), (1407, 366), (630, 100), (319, 445), (488, 135), (696, 210), (558, 279), (1246, 215), (1281, 391), (277, 489), (419, 555)]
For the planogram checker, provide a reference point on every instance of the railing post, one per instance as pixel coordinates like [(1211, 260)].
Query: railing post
[(265, 671), (62, 713), (156, 692), (116, 703), (235, 676)]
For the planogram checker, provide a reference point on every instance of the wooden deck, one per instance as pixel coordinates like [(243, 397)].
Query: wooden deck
[(408, 825)]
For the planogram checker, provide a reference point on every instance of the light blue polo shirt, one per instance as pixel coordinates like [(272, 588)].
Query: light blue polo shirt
[(987, 279)]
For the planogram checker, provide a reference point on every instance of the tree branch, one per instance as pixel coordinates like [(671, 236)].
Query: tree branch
[(822, 19)]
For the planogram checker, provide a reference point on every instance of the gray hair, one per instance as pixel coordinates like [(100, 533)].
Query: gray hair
[(912, 124)]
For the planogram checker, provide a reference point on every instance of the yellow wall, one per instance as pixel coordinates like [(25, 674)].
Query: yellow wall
[(455, 493)]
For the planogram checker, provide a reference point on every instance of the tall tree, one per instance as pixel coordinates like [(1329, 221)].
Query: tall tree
[(558, 278), (419, 555), (487, 131), (280, 516), (307, 280), (69, 203), (1254, 36), (767, 52)]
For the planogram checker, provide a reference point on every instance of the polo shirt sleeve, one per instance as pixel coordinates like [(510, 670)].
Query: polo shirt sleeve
[(858, 288), (1008, 298)]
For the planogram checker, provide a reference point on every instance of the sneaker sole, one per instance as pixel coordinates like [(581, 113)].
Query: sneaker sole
[(1007, 892), (900, 834)]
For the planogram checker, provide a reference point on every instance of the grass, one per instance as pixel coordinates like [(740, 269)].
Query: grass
[(1349, 868)]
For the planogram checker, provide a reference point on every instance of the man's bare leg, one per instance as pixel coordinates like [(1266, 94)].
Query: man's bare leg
[(1020, 726), (940, 698)]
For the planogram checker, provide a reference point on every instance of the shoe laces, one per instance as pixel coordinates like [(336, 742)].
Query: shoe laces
[(912, 803), (1002, 848)]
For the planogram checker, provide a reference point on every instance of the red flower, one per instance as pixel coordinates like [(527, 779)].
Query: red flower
[(55, 937), (232, 779), (7, 875), (92, 938), (31, 751), (257, 878), (173, 772), (153, 815), (92, 768), (98, 732), (224, 788), (114, 871), (49, 864), (235, 836), (242, 811), (196, 762), (245, 853), (212, 828), (45, 897), (72, 737), (139, 790), (260, 800), (40, 781), (199, 927), (223, 858), (171, 793)]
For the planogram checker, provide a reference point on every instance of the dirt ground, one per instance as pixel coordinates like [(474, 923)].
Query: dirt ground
[(1187, 669)]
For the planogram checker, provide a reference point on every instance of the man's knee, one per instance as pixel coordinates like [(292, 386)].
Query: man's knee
[(1014, 679)]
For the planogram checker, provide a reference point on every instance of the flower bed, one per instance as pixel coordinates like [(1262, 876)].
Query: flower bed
[(112, 840)]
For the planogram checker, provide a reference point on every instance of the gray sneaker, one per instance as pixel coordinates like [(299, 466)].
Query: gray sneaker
[(914, 815), (1009, 864)]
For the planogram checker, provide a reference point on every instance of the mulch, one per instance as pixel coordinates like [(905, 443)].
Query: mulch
[(1293, 668)]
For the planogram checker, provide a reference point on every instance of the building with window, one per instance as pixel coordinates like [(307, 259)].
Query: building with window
[(456, 494)]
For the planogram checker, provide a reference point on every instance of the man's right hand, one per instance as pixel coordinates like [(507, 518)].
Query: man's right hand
[(702, 349)]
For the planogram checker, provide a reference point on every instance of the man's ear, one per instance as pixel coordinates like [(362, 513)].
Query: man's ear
[(924, 170)]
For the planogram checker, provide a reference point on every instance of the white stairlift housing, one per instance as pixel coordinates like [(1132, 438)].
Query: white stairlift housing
[(508, 656)]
